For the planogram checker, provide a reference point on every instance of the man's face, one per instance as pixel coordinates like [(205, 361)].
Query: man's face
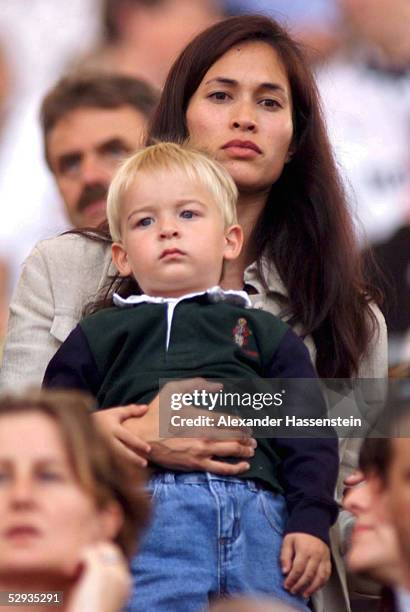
[(84, 149), (398, 488)]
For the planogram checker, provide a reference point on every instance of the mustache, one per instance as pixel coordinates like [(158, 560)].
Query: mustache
[(90, 194)]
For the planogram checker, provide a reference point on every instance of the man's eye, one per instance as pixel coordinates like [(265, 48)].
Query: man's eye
[(69, 164), (145, 222), (116, 150), (219, 96)]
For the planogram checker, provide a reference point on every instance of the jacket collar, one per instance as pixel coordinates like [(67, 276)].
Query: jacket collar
[(212, 295)]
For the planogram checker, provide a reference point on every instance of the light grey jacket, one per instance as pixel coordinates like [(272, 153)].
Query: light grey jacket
[(63, 274)]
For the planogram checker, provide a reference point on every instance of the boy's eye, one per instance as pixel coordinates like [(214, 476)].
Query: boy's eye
[(145, 222), (188, 214)]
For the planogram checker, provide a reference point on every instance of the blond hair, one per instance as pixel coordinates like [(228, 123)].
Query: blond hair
[(93, 461), (169, 156)]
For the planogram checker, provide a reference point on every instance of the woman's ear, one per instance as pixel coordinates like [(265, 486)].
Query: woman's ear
[(233, 242), (291, 151), (120, 259), (111, 520)]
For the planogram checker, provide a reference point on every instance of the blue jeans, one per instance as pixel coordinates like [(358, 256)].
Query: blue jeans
[(210, 536)]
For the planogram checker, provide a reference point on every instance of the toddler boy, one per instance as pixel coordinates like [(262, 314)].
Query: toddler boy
[(172, 217)]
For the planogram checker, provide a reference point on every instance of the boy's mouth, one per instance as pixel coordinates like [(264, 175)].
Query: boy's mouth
[(167, 253)]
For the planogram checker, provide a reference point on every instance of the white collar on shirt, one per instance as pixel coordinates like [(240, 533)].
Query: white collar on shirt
[(214, 295)]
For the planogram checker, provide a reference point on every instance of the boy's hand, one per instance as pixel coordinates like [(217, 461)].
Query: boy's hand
[(305, 560), (127, 444)]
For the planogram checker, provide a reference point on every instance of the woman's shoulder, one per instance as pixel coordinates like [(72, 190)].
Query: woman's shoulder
[(71, 245), (71, 257), (374, 363)]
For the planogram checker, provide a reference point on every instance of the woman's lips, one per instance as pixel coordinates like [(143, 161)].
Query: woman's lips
[(359, 529), (242, 148), (22, 532)]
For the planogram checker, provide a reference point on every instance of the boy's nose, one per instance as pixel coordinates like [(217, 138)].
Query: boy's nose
[(169, 230)]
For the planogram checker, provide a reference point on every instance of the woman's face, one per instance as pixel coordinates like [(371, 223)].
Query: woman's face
[(46, 518), (241, 114), (374, 547)]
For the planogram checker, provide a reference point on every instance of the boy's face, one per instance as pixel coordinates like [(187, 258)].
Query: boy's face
[(173, 236)]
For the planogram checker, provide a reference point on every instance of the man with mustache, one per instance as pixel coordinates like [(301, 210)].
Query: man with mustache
[(90, 123)]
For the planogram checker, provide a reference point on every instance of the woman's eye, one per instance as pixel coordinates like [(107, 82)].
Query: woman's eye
[(145, 222), (188, 214), (219, 96), (50, 476), (270, 103)]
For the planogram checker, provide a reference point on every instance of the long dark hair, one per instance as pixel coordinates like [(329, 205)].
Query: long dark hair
[(305, 228)]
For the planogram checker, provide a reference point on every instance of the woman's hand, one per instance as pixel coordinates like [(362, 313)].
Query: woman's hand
[(103, 582), (192, 453), (128, 445), (197, 454)]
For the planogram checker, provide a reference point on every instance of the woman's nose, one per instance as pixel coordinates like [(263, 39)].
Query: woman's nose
[(245, 125), (357, 499), (243, 118), (21, 491)]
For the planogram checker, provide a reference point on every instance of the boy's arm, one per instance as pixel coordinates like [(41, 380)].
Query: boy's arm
[(308, 473), (73, 366), (309, 466)]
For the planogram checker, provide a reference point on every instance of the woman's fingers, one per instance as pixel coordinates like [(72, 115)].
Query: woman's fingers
[(133, 410), (104, 582), (131, 440), (225, 469), (128, 455)]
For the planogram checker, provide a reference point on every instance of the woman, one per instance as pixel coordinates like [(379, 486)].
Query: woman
[(373, 550), (243, 91), (64, 501)]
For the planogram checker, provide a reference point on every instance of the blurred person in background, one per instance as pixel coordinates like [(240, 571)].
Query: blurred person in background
[(314, 23), (142, 38), (245, 604), (4, 282), (70, 514), (366, 99), (90, 122), (373, 551), (396, 482), (380, 540), (39, 39), (4, 268)]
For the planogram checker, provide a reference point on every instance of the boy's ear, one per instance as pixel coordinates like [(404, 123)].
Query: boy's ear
[(233, 242), (120, 259)]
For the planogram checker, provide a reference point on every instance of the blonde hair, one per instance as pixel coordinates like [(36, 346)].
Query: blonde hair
[(169, 156)]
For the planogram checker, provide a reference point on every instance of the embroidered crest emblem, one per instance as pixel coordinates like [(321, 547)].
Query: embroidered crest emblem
[(241, 332)]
